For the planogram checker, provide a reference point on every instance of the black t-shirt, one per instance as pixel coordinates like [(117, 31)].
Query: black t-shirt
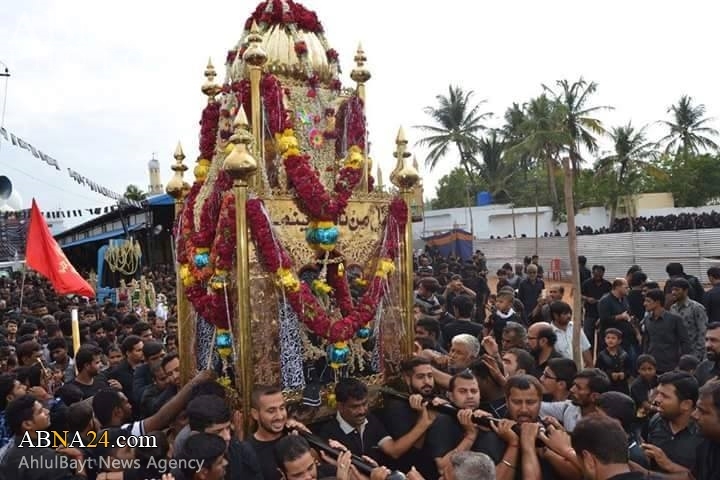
[(399, 419), (541, 366), (706, 371), (265, 452), (446, 433), (591, 289), (680, 447), (457, 327), (707, 464), (90, 390)]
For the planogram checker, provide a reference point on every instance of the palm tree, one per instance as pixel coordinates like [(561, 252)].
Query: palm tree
[(689, 130), (457, 123), (495, 170), (579, 120), (623, 168), (133, 192), (513, 134), (544, 137)]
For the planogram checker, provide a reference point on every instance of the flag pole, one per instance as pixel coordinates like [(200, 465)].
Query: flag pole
[(22, 289)]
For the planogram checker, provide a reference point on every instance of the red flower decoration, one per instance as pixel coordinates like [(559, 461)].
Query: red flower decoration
[(301, 48), (332, 55), (303, 302), (271, 12)]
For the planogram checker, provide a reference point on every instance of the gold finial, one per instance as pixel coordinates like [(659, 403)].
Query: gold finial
[(239, 164), (401, 137), (176, 187), (404, 177), (360, 74), (210, 88), (416, 166), (254, 54), (400, 154)]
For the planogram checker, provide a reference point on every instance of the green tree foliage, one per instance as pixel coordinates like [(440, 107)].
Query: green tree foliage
[(455, 190), (694, 180), (520, 162), (133, 192), (458, 123)]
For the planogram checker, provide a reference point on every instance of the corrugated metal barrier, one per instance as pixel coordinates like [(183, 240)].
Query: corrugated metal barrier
[(697, 250)]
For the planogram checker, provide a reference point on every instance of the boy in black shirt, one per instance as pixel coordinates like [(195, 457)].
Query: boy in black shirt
[(641, 387), (614, 361)]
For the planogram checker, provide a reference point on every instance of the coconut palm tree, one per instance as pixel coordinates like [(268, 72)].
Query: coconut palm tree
[(495, 170), (457, 122), (622, 169), (513, 134), (689, 130), (579, 120), (543, 138), (133, 192)]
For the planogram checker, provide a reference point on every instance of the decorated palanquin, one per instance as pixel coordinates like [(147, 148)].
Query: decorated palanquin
[(295, 260)]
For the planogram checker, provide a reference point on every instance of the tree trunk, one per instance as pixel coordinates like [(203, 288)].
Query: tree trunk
[(574, 265), (552, 185)]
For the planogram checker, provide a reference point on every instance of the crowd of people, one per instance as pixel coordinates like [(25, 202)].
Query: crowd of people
[(493, 389), (657, 223)]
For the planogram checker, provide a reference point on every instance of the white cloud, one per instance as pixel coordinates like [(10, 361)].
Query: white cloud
[(102, 85)]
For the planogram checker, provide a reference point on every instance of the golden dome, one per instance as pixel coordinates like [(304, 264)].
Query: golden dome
[(294, 41)]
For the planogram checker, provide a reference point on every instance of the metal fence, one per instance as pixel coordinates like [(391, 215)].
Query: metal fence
[(697, 250)]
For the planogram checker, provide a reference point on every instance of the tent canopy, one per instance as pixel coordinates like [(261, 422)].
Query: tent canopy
[(454, 242)]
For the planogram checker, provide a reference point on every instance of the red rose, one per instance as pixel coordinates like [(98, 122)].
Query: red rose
[(301, 48)]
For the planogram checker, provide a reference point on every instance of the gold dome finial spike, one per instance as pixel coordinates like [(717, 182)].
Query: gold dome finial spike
[(240, 164), (404, 177), (360, 74), (254, 54), (210, 88), (176, 187), (256, 58)]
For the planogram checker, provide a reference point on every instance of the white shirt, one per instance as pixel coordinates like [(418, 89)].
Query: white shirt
[(564, 341), (565, 412)]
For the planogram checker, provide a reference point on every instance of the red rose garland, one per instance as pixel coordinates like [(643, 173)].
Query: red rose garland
[(299, 294), (271, 13)]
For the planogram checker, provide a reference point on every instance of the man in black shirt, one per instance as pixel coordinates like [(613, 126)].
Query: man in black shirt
[(614, 312), (710, 369), (26, 416), (711, 299), (457, 433), (407, 421), (88, 362), (361, 431), (707, 416), (529, 290), (132, 349), (584, 271), (541, 343), (463, 308), (673, 436), (665, 333), (600, 447), (269, 412)]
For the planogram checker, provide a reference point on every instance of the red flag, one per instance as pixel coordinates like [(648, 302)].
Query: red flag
[(44, 255)]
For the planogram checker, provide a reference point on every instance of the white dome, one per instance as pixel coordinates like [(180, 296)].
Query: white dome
[(154, 163)]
